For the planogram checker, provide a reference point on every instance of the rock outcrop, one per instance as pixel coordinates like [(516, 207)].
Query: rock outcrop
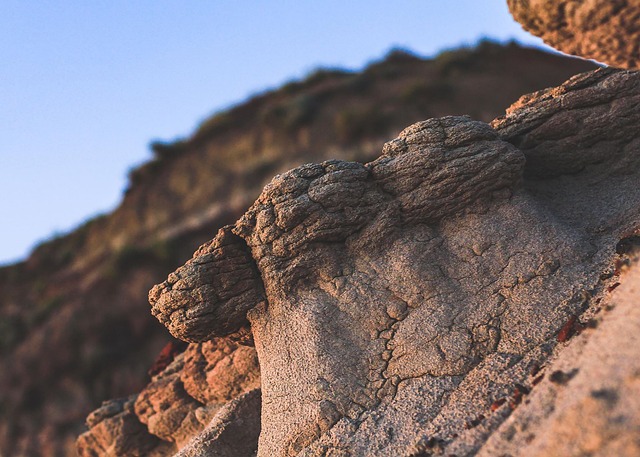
[(116, 430), (604, 30), (587, 400), (210, 391), (221, 272), (428, 302), (74, 321)]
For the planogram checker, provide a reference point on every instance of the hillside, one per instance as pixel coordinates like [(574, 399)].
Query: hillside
[(75, 323)]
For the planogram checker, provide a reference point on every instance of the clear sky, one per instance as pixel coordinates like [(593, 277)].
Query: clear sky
[(85, 85)]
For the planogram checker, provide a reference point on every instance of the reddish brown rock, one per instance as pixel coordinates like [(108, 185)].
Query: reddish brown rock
[(115, 431), (203, 392), (166, 356), (604, 30), (167, 409), (219, 370)]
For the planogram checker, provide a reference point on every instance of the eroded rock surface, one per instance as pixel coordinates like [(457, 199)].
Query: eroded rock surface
[(219, 371), (211, 391), (604, 30), (115, 430), (588, 400), (221, 272), (167, 410), (233, 432), (417, 304)]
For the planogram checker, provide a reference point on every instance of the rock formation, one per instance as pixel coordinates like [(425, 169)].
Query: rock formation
[(456, 296), (212, 390), (75, 327), (604, 30)]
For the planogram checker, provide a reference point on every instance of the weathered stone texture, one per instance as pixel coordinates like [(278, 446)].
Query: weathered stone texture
[(220, 370), (210, 391), (418, 304), (210, 295), (604, 30), (166, 408), (115, 431), (589, 399), (233, 432)]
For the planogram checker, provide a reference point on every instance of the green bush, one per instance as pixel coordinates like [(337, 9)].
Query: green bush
[(490, 46), (165, 150), (43, 309), (423, 93), (12, 273), (160, 253), (392, 65), (12, 330), (358, 84), (273, 115), (316, 77), (292, 114), (291, 87), (61, 249), (324, 74), (401, 55), (301, 112), (139, 174), (450, 62), (352, 125), (215, 124)]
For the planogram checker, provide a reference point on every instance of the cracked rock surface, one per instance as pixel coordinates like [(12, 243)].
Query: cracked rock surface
[(588, 400), (604, 30), (425, 303)]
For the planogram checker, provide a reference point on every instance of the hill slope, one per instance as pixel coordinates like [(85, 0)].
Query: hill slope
[(74, 318)]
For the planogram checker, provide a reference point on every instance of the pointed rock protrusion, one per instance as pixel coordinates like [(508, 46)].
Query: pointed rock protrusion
[(210, 295)]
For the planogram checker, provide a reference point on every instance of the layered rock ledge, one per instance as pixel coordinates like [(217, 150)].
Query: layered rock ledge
[(426, 303)]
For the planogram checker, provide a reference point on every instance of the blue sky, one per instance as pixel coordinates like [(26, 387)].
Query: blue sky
[(86, 85)]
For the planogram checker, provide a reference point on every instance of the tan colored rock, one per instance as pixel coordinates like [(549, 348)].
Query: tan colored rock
[(589, 400), (233, 432), (595, 113), (604, 30), (427, 302)]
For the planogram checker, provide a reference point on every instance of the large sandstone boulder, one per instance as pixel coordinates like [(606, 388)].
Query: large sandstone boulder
[(604, 30), (456, 296)]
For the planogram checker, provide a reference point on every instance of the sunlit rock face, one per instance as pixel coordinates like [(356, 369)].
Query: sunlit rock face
[(605, 30)]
